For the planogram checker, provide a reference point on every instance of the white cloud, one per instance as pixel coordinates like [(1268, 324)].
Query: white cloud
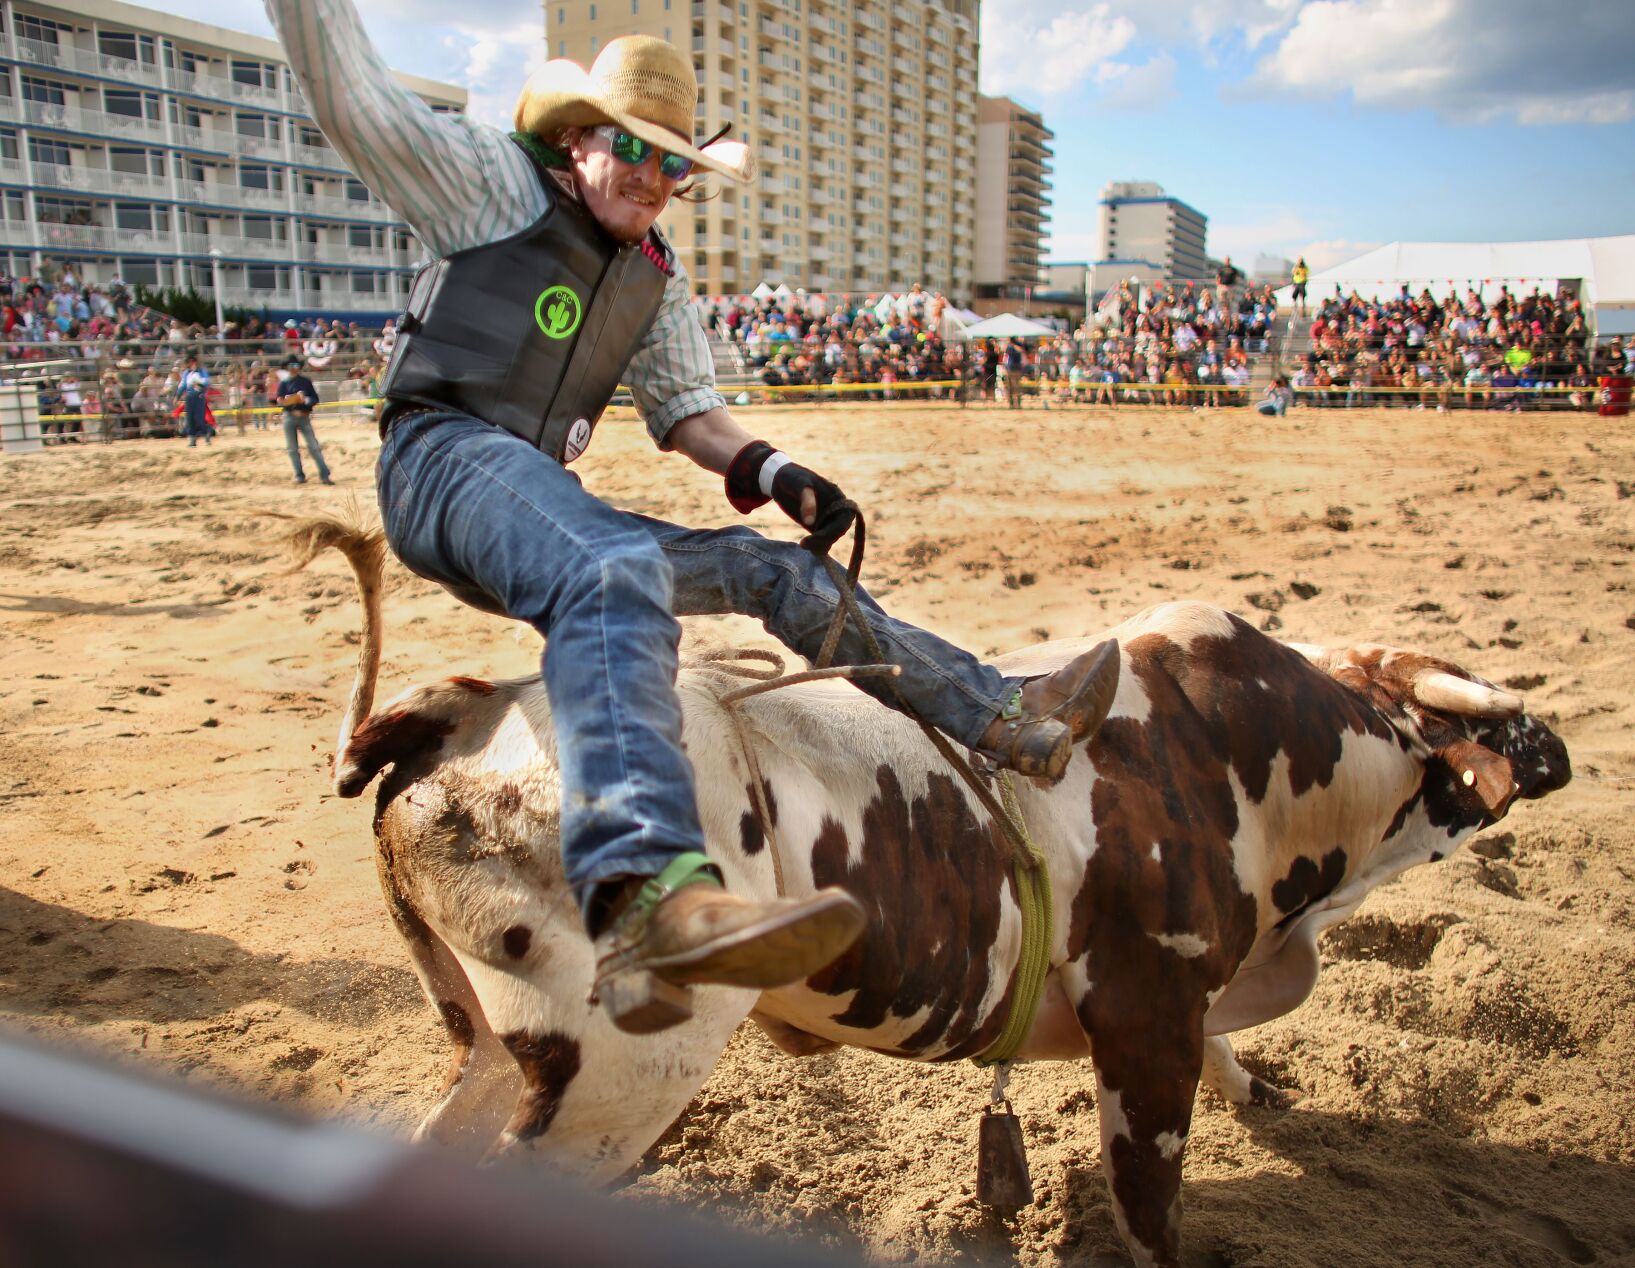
[(496, 65), (1473, 61), (1272, 233), (1048, 56), (1136, 88), (486, 46)]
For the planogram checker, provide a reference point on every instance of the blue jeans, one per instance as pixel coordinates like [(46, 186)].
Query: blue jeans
[(300, 426), (508, 530)]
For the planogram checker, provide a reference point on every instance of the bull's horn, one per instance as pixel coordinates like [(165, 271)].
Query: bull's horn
[(1438, 689)]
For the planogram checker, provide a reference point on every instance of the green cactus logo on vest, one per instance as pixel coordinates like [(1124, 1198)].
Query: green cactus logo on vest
[(557, 310)]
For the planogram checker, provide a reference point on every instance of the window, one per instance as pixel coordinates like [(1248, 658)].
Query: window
[(366, 283), (133, 216), (54, 152), (126, 46), (8, 145), (40, 30), (44, 91), (356, 191), (139, 272), (256, 74), (254, 176), (593, 13), (130, 105), (62, 211), (561, 48), (250, 125), (259, 227), (262, 278), (362, 237), (635, 6), (562, 17)]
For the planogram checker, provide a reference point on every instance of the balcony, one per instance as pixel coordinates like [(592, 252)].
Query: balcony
[(56, 237), (92, 180), (86, 61), (235, 246), (220, 88), (345, 254), (78, 119)]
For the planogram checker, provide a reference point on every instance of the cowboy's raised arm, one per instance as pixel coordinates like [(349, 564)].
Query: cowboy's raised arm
[(457, 182)]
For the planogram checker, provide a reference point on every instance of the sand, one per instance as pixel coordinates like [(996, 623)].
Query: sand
[(179, 888)]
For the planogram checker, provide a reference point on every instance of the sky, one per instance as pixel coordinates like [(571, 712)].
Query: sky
[(1320, 128)]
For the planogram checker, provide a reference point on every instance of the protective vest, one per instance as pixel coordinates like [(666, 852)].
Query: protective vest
[(530, 333)]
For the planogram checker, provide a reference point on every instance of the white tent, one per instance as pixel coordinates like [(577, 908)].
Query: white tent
[(1604, 269), (1007, 326), (762, 291)]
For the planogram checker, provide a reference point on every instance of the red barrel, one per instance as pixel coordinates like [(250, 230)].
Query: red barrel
[(1614, 395)]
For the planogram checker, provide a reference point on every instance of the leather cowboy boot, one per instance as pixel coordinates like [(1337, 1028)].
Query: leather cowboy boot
[(681, 929), (1036, 732)]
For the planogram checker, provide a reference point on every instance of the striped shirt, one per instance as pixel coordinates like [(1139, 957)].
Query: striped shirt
[(460, 184)]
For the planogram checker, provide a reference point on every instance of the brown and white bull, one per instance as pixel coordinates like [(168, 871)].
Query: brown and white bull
[(1242, 797)]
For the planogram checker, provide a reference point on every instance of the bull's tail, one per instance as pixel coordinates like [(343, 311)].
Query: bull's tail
[(365, 550)]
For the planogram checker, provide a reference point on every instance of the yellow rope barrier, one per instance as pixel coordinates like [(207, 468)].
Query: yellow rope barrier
[(906, 391)]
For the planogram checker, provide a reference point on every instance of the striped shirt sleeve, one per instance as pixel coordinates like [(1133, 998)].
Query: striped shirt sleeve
[(672, 375), (460, 184), (457, 183)]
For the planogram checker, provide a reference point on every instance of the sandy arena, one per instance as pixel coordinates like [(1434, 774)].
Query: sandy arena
[(179, 886)]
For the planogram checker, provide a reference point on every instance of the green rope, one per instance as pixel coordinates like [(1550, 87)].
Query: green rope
[(1034, 897)]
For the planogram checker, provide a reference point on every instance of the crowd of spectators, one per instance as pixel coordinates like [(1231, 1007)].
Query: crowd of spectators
[(1177, 343), (1181, 344), (813, 340), (100, 352), (1511, 352)]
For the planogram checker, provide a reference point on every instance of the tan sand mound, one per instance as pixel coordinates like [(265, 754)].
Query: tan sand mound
[(180, 886)]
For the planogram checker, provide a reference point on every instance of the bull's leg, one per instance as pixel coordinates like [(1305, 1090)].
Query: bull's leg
[(482, 1079), (1231, 1082), (1147, 1068), (592, 1098)]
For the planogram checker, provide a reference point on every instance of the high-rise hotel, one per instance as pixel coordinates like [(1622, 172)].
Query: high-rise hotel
[(862, 115), (151, 148)]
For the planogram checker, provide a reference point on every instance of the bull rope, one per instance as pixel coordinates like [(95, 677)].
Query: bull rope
[(1034, 895)]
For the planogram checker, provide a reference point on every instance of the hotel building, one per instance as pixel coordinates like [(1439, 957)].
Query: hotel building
[(1013, 195), (151, 148), (1149, 235), (862, 115)]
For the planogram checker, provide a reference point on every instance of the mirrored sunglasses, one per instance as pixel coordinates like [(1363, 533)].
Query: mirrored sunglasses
[(635, 151)]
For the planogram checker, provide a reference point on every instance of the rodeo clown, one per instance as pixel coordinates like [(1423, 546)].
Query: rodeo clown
[(551, 286)]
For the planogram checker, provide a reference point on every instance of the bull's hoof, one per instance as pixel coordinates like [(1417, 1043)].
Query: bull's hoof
[(644, 1003), (1269, 1096)]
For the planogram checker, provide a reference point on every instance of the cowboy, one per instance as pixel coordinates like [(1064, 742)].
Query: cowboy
[(551, 286)]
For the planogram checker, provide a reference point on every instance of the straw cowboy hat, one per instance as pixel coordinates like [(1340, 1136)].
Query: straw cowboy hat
[(641, 83)]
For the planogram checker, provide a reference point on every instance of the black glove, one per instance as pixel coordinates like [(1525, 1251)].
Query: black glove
[(790, 480)]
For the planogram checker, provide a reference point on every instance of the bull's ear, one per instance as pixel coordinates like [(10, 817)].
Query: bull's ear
[(1483, 771)]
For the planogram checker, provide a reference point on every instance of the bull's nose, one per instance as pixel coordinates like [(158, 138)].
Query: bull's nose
[(1545, 771)]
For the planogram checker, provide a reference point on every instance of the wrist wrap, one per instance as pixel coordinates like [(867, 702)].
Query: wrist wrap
[(744, 477)]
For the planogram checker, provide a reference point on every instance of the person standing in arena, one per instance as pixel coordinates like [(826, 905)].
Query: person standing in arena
[(551, 286), (1300, 276), (298, 397)]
